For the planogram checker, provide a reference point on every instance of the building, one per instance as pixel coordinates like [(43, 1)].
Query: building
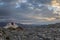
[(12, 24)]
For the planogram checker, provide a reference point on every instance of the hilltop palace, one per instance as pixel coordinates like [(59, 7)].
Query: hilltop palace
[(12, 24)]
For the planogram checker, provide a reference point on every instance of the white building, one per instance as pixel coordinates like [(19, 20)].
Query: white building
[(12, 24)]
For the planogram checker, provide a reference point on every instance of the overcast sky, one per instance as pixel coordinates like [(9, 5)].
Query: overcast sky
[(30, 11)]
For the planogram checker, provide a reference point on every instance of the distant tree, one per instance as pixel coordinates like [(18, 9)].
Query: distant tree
[(47, 39), (7, 38), (54, 39)]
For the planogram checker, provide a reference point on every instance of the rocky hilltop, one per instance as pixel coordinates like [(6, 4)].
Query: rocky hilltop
[(13, 32)]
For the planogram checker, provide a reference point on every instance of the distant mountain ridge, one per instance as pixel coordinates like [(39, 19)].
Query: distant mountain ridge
[(2, 24)]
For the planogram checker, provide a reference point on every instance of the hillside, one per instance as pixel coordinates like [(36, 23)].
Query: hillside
[(47, 32)]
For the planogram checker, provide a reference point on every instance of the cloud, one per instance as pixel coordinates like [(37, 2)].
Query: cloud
[(44, 18), (22, 1), (4, 12), (29, 11), (8, 1), (39, 1)]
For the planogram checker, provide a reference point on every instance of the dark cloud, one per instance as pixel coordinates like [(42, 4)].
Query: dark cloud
[(39, 1), (8, 0), (4, 12), (31, 1)]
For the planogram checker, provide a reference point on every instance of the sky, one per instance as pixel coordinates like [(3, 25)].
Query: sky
[(30, 11)]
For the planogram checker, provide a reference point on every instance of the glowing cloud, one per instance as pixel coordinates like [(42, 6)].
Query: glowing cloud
[(44, 18), (55, 3), (56, 7)]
